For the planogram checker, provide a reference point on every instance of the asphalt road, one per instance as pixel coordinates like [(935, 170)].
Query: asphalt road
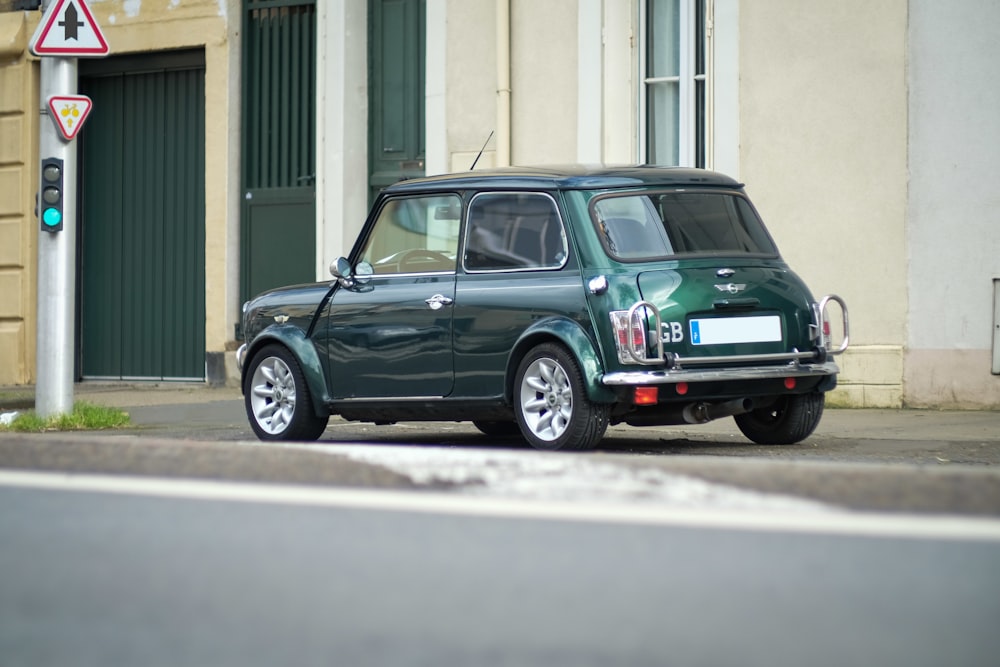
[(882, 460), (183, 540), (97, 577)]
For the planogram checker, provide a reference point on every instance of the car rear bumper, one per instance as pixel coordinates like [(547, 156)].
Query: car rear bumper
[(677, 375)]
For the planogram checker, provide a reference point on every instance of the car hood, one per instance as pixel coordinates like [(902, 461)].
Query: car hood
[(294, 305)]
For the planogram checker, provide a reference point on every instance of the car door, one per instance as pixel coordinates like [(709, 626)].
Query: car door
[(391, 336)]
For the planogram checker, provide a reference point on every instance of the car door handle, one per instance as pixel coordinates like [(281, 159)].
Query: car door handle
[(439, 300)]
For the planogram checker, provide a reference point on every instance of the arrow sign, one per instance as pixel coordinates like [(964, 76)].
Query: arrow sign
[(69, 112), (68, 29)]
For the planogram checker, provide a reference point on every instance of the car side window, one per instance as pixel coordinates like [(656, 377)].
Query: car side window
[(514, 231), (416, 234)]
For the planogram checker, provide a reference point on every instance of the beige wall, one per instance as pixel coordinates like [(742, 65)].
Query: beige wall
[(130, 27), (470, 83), (18, 182), (823, 130), (543, 67)]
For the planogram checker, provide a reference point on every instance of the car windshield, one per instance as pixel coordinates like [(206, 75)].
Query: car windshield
[(661, 224)]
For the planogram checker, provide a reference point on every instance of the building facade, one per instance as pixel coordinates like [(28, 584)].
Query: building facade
[(862, 130)]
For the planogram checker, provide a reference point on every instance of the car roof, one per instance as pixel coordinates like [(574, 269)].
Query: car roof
[(568, 177)]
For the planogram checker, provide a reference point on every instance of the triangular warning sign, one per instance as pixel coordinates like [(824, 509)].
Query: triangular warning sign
[(69, 112), (68, 29)]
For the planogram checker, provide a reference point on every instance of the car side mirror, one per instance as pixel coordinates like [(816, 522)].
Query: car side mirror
[(363, 273), (347, 277), (340, 269)]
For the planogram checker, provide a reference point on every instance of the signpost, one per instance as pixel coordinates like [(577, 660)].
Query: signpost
[(69, 112), (67, 31)]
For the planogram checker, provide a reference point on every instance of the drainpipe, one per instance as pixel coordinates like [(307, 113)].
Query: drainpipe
[(503, 83)]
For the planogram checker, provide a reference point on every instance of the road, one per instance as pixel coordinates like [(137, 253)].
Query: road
[(182, 573), (183, 541)]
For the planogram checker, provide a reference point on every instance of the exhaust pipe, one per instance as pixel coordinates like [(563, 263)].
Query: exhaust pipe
[(691, 413), (701, 413)]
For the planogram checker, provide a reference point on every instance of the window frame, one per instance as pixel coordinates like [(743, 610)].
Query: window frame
[(376, 221), (693, 129), (467, 232)]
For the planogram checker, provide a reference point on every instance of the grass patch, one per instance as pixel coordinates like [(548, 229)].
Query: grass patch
[(85, 417)]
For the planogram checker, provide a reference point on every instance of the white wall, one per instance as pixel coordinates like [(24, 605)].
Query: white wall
[(543, 53), (471, 84), (342, 128), (953, 208), (823, 130)]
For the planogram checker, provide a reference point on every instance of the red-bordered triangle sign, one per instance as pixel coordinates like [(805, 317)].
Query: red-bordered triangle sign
[(69, 29), (69, 112)]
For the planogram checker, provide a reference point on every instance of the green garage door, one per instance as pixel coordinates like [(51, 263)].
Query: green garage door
[(397, 34), (141, 256), (278, 222)]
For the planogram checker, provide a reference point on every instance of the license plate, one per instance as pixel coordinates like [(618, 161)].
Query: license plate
[(728, 330)]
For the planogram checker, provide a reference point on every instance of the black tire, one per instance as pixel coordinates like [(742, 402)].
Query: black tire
[(277, 398), (498, 429), (551, 404), (790, 420)]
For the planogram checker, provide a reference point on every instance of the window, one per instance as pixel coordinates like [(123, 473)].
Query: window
[(514, 230), (664, 224), (675, 82), (415, 235)]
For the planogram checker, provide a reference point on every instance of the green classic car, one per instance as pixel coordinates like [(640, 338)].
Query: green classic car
[(549, 303)]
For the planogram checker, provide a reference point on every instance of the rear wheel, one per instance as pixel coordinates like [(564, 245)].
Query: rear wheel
[(551, 404), (277, 398), (790, 420)]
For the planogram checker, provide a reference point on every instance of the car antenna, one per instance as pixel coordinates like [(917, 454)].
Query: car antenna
[(481, 151)]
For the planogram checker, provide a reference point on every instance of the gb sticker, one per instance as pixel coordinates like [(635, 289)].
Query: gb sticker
[(671, 332)]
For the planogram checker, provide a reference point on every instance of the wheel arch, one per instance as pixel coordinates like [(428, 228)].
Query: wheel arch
[(294, 340), (571, 336)]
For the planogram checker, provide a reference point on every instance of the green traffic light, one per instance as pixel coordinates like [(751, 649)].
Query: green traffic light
[(52, 217)]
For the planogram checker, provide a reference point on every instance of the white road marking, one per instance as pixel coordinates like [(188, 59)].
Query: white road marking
[(548, 476), (856, 524)]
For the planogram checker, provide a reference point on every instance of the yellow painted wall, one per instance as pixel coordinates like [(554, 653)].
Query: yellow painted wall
[(133, 26), (18, 182)]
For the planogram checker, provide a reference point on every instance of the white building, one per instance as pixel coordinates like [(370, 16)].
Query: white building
[(864, 131)]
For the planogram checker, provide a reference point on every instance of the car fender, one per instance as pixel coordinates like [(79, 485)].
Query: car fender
[(304, 351), (570, 334)]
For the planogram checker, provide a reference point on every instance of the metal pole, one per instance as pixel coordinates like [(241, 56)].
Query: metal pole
[(55, 339)]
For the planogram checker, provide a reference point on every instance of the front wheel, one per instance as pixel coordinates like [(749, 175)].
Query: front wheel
[(551, 404), (277, 398), (789, 420)]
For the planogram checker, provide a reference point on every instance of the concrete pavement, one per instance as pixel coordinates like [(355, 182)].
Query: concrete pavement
[(161, 404), (890, 460)]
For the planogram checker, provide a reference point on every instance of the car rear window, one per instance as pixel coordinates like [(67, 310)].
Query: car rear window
[(663, 224)]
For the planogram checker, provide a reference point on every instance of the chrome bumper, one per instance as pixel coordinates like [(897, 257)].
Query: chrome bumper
[(241, 354), (674, 376), (676, 368)]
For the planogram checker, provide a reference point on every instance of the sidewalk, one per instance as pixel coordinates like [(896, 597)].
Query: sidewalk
[(162, 402), (126, 395)]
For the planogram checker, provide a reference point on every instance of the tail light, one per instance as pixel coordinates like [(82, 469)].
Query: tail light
[(630, 336)]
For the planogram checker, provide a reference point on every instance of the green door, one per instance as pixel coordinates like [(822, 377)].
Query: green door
[(141, 260), (397, 34), (279, 136)]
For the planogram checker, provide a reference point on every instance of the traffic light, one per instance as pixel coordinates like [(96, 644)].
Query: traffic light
[(52, 195)]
